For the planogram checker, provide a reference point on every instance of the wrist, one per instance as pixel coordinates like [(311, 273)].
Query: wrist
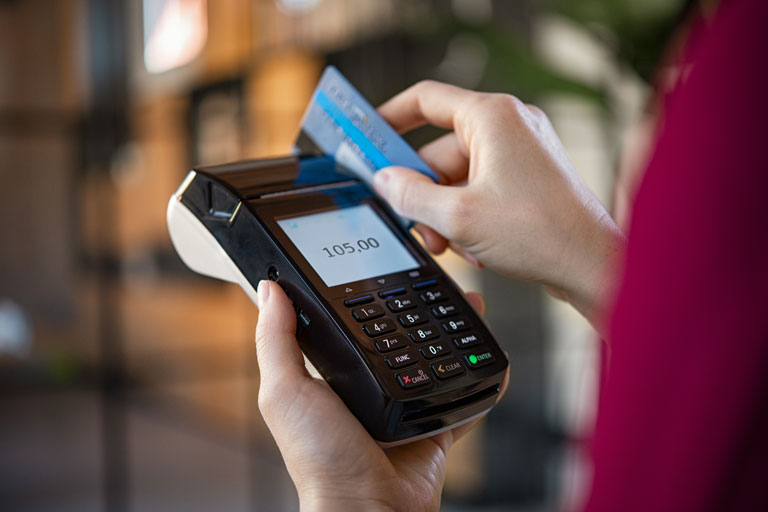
[(318, 502), (593, 270), (347, 496)]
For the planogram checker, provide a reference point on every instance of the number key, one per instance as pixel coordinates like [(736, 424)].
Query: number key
[(379, 327), (425, 333), (455, 325), (444, 311), (392, 342), (435, 350), (432, 296), (368, 312), (397, 305), (415, 318)]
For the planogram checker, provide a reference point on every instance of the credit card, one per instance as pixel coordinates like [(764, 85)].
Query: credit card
[(340, 123)]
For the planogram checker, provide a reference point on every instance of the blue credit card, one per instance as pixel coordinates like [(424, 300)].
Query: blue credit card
[(339, 122)]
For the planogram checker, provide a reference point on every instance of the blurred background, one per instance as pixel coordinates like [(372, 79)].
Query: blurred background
[(129, 383)]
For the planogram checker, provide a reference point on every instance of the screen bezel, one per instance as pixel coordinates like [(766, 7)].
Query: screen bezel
[(279, 208)]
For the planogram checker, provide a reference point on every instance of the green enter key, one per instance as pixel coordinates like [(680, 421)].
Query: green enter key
[(479, 358)]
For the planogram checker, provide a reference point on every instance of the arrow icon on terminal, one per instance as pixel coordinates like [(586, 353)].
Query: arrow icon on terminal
[(441, 369)]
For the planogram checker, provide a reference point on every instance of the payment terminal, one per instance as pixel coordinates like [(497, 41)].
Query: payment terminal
[(379, 320)]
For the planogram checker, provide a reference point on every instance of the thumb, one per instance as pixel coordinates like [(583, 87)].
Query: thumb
[(281, 364), (413, 195)]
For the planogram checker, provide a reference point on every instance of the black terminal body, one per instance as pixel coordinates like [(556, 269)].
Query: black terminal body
[(405, 351)]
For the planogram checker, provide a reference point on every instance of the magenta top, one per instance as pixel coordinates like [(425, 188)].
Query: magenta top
[(683, 417)]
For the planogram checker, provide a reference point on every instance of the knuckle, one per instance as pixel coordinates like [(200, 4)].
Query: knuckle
[(536, 111), (493, 111), (405, 197), (425, 85), (501, 103)]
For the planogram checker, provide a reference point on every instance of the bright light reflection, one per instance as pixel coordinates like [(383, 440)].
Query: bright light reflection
[(297, 6), (175, 32)]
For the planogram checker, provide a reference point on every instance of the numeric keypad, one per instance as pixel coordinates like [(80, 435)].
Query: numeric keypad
[(445, 346)]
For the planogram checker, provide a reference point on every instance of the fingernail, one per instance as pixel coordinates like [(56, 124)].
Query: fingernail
[(474, 261), (262, 291)]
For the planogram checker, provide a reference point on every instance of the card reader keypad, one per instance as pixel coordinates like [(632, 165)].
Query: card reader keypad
[(436, 340)]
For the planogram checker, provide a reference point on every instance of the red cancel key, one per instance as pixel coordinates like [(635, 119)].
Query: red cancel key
[(413, 378)]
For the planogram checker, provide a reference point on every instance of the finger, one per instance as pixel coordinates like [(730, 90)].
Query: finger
[(426, 102), (465, 254), (416, 197), (448, 157), (477, 302), (448, 438), (280, 360), (435, 242), (462, 430)]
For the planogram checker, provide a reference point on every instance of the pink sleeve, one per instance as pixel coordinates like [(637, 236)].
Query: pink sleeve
[(683, 420)]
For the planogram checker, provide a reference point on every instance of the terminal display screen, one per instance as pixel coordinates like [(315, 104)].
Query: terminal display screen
[(347, 245)]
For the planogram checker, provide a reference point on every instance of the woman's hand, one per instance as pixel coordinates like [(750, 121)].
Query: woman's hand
[(516, 205), (334, 462)]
